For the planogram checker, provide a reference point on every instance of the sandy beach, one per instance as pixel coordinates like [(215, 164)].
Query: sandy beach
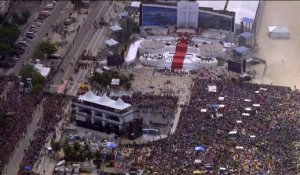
[(282, 55)]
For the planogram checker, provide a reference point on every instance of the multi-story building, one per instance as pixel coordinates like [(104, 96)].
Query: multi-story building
[(102, 113), (4, 7)]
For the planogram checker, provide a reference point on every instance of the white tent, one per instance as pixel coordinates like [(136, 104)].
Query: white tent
[(42, 69), (115, 28), (278, 32), (104, 101), (111, 42), (135, 4)]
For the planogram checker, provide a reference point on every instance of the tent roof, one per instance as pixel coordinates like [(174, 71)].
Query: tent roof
[(104, 101), (115, 81), (111, 42), (89, 96), (115, 28), (246, 35), (135, 4), (44, 71), (278, 29), (241, 49)]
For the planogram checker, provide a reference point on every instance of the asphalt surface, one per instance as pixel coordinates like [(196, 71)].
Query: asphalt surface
[(59, 12), (81, 41)]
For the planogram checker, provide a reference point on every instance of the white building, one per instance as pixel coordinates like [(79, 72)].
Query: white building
[(4, 6), (101, 111)]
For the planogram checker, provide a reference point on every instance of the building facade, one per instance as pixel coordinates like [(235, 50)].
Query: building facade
[(4, 7), (102, 113)]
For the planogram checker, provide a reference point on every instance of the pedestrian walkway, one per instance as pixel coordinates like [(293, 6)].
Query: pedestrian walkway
[(12, 167)]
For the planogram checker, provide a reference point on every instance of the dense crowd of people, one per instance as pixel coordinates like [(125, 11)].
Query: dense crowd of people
[(164, 105), (240, 129), (19, 109), (52, 114)]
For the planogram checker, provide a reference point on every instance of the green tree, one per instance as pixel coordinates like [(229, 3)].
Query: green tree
[(76, 146), (97, 154), (28, 71), (4, 48), (129, 27), (25, 15), (127, 85), (87, 152), (56, 146), (44, 47), (9, 33)]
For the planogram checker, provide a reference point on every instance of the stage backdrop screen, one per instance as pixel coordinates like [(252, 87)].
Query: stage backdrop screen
[(234, 67), (215, 21), (157, 15)]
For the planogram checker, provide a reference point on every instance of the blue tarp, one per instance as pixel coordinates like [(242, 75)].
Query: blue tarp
[(214, 106), (246, 35), (241, 50), (111, 145), (200, 148), (27, 168)]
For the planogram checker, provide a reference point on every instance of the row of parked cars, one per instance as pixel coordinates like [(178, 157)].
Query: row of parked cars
[(19, 47)]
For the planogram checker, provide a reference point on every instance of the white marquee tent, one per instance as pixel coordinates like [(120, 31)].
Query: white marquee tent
[(278, 32), (115, 28), (111, 42), (104, 101), (42, 69)]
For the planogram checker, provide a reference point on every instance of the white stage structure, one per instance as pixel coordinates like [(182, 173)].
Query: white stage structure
[(132, 52), (278, 32), (187, 14)]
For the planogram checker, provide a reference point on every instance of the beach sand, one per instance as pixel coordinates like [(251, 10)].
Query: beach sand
[(282, 55)]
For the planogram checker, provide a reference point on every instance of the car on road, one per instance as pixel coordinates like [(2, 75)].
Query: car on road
[(12, 59), (17, 46), (15, 53), (23, 43), (15, 58), (49, 6), (30, 36), (33, 30), (72, 29), (18, 51), (34, 26), (39, 20), (38, 24), (6, 64), (55, 56)]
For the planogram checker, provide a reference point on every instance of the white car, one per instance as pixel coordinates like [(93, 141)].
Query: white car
[(72, 29), (49, 6)]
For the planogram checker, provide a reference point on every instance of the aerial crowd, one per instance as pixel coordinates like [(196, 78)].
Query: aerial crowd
[(19, 109), (242, 129)]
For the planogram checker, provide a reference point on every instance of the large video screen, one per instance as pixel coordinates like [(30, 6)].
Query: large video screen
[(234, 67), (214, 21), (153, 15), (115, 60)]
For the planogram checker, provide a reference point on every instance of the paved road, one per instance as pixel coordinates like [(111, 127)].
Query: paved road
[(13, 165), (59, 12), (83, 38)]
